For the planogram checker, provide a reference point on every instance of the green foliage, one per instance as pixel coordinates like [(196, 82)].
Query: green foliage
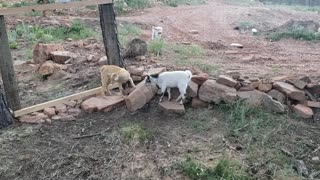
[(225, 169), (12, 37), (156, 46), (127, 32), (138, 4), (22, 4), (175, 3), (207, 67), (50, 34), (192, 50), (295, 32), (135, 132), (47, 1)]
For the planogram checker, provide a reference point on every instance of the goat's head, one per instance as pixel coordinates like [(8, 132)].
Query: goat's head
[(151, 79)]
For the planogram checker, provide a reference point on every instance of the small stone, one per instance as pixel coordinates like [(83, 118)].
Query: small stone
[(136, 78), (74, 112), (300, 167), (264, 87), (193, 31), (140, 58), (69, 39), (316, 158), (61, 57), (303, 111), (49, 111), (313, 104), (172, 107), (279, 78), (61, 108), (56, 117), (196, 102), (226, 80), (71, 104), (48, 68), (66, 117), (90, 58), (300, 84), (248, 87), (31, 119), (103, 61), (237, 45)]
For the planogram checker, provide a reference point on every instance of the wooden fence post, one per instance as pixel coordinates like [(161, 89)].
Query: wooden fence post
[(109, 34), (6, 68)]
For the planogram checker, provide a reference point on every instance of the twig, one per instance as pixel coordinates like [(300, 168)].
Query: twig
[(308, 155), (242, 127), (91, 135)]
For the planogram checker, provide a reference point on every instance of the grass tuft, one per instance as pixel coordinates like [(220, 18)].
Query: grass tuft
[(295, 32), (135, 133), (156, 46)]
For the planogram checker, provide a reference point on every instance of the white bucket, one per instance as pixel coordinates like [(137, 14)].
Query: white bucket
[(156, 32), (63, 1)]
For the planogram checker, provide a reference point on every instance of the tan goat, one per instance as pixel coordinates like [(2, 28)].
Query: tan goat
[(111, 74)]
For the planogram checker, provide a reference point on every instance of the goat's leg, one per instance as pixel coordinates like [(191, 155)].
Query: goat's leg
[(104, 85), (163, 90), (131, 82), (169, 93), (182, 90), (120, 88)]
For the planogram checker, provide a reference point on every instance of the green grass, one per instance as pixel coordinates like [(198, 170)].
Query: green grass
[(225, 169), (92, 7), (138, 4), (12, 37), (135, 133), (22, 4), (192, 50), (209, 68), (262, 135), (37, 33), (127, 32), (176, 3), (200, 119), (156, 46), (295, 32)]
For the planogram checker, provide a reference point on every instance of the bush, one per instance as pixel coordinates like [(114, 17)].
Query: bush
[(295, 32), (156, 46)]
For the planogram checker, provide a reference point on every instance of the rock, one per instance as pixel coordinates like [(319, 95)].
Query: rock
[(74, 112), (31, 119), (59, 75), (105, 103), (193, 31), (66, 117), (56, 117), (236, 45), (290, 91), (140, 96), (264, 87), (136, 78), (277, 95), (90, 58), (172, 107), (49, 112), (192, 89), (61, 108), (154, 71), (69, 39), (211, 91), (133, 70), (41, 116), (315, 159), (313, 104), (226, 80), (136, 47), (140, 58), (303, 111), (248, 87), (279, 79), (315, 89), (257, 98), (71, 104), (103, 61), (200, 78), (196, 102), (48, 68), (41, 52), (61, 57), (79, 44), (300, 84), (300, 167)]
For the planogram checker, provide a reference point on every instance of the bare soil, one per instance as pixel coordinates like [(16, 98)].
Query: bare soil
[(49, 151)]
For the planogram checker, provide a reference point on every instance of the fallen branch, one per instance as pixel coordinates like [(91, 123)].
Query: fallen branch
[(92, 135)]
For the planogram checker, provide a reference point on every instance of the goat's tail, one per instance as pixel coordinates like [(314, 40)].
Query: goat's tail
[(189, 73)]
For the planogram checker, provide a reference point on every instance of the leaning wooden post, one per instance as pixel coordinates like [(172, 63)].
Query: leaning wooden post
[(6, 68), (109, 34)]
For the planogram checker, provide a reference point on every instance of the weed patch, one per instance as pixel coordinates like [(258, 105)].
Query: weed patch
[(176, 3), (225, 169), (188, 51), (135, 133), (295, 32), (138, 4), (49, 34), (211, 69), (156, 46)]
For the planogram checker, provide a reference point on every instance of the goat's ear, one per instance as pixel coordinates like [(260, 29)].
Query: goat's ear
[(148, 79)]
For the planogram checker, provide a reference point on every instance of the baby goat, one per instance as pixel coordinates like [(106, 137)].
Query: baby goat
[(167, 80), (111, 74)]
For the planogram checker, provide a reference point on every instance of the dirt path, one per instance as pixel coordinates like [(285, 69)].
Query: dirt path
[(215, 22)]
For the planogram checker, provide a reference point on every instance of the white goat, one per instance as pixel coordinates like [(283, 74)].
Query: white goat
[(175, 79)]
